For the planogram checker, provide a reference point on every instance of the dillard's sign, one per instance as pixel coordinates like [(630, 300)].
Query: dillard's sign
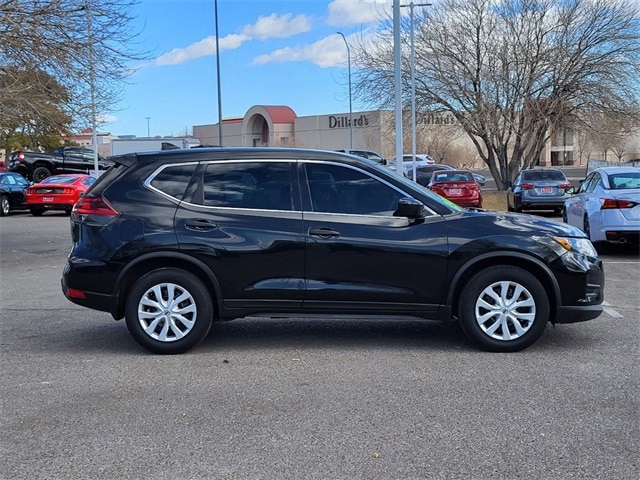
[(343, 121)]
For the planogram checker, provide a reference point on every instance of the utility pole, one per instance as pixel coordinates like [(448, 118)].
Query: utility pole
[(350, 108)]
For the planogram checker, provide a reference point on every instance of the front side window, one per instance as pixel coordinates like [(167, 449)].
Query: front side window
[(255, 185), (340, 189), (590, 183)]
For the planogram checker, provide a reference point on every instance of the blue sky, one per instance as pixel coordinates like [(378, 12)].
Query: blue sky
[(272, 52)]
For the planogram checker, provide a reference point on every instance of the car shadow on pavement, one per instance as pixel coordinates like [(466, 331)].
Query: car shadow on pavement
[(350, 333), (255, 334)]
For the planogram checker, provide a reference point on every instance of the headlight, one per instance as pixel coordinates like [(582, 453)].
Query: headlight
[(577, 245)]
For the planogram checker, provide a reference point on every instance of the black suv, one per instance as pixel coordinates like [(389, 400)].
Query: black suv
[(174, 240)]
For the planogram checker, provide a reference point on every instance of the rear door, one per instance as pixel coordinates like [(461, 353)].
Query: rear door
[(360, 257), (245, 224)]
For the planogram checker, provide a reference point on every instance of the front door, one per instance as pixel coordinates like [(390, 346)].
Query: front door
[(359, 254)]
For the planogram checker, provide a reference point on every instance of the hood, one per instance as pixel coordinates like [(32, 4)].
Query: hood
[(524, 224)]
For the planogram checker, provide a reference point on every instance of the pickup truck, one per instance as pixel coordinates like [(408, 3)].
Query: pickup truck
[(37, 166)]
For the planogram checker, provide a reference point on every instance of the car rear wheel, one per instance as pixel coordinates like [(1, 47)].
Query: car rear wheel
[(4, 206), (503, 309), (40, 173), (168, 311)]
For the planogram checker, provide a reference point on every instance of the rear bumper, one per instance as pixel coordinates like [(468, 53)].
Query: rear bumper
[(93, 300)]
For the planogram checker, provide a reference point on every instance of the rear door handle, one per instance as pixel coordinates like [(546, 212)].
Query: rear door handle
[(323, 232), (200, 225)]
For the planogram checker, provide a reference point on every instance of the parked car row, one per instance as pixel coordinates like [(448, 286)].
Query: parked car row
[(58, 192)]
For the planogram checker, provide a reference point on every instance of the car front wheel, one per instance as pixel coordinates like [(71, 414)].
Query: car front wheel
[(503, 309), (168, 311)]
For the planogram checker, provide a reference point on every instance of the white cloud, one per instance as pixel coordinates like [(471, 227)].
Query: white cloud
[(273, 26), (278, 26), (328, 52), (105, 118), (343, 13), (202, 48)]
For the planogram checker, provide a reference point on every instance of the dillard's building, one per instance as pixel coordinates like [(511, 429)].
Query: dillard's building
[(279, 126)]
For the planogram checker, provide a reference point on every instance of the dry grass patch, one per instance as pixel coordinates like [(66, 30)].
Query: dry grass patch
[(494, 200)]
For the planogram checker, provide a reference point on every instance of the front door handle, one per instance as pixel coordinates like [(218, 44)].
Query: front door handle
[(324, 232), (200, 225)]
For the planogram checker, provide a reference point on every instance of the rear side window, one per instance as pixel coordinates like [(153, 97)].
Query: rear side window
[(174, 180), (254, 185)]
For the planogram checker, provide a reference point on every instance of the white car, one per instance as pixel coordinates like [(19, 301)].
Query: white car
[(421, 161), (607, 205)]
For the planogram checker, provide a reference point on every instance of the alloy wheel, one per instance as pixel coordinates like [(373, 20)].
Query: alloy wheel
[(167, 312), (505, 310)]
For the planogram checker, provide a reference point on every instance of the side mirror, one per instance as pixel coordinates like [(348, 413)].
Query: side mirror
[(570, 190), (410, 208)]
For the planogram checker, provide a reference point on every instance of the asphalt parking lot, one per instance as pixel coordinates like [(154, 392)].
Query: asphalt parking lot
[(307, 399)]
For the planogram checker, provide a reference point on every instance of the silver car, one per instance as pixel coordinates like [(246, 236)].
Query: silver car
[(607, 205), (538, 189)]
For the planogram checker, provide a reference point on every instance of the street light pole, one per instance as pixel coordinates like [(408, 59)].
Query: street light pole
[(92, 86), (413, 86), (397, 82), (218, 76), (148, 130), (350, 109)]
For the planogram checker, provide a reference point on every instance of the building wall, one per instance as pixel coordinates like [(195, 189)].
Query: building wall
[(375, 130)]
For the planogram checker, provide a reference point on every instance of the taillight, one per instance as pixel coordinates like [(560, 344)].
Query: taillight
[(527, 186), (94, 206), (565, 185), (609, 203)]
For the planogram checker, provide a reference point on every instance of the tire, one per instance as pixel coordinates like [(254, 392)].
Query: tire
[(36, 211), (168, 311), (558, 210), (5, 206), (490, 316), (565, 219), (586, 227), (40, 173)]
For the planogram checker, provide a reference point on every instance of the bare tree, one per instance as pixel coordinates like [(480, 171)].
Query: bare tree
[(79, 43), (511, 70)]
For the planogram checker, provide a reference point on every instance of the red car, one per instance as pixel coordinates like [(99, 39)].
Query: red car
[(459, 186), (58, 192)]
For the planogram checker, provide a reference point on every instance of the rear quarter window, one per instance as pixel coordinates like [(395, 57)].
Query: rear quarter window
[(174, 180)]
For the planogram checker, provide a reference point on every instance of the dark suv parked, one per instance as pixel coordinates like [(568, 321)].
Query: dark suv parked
[(174, 240)]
